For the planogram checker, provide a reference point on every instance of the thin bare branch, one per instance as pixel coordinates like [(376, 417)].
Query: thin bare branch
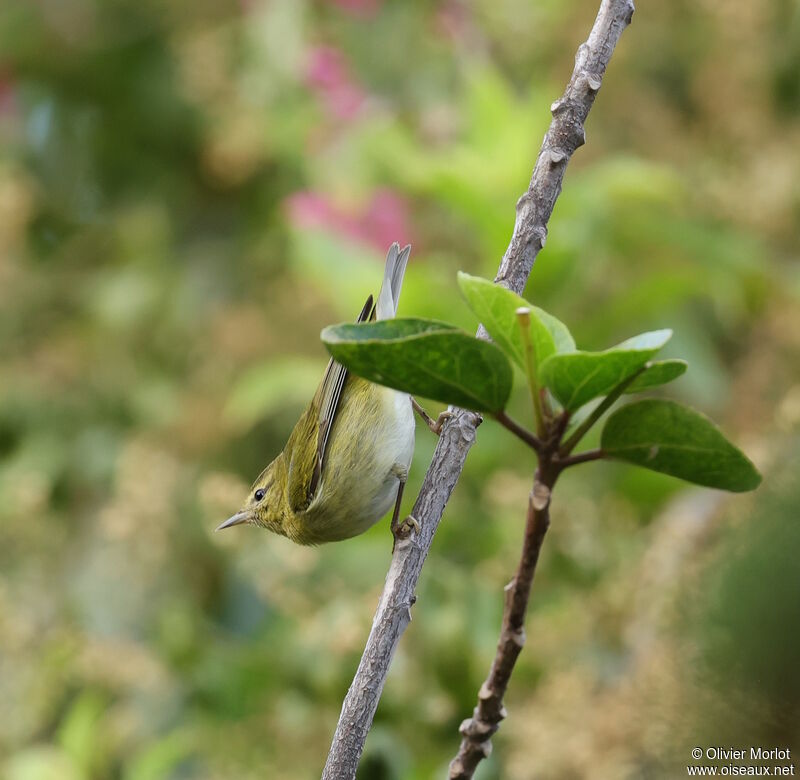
[(477, 731), (563, 137), (534, 208)]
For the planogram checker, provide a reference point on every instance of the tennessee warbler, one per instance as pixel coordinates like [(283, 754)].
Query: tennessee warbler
[(347, 459)]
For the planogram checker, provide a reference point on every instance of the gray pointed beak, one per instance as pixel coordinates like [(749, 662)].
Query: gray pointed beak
[(237, 519)]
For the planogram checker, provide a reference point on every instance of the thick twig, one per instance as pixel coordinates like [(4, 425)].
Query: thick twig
[(530, 230), (477, 731), (521, 433), (581, 457)]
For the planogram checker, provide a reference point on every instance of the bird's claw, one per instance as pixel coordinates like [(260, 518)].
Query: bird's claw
[(402, 530), (436, 426)]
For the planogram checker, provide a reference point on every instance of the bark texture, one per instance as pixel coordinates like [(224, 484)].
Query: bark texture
[(534, 208), (565, 134), (394, 608), (477, 731)]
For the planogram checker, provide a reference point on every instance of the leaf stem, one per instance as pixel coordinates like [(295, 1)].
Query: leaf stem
[(524, 321), (597, 413), (581, 457), (529, 438)]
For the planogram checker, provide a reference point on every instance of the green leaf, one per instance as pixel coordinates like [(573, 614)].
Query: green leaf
[(496, 307), (41, 762), (426, 358), (658, 372), (159, 759), (558, 330), (667, 437), (80, 732), (575, 378)]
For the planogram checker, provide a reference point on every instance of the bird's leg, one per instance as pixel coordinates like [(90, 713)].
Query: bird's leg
[(434, 425), (401, 530)]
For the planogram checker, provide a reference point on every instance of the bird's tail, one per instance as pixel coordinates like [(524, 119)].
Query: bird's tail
[(389, 296)]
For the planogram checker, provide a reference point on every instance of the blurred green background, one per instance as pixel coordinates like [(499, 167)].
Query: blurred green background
[(189, 191)]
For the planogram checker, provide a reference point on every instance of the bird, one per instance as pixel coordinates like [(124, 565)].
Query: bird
[(347, 459)]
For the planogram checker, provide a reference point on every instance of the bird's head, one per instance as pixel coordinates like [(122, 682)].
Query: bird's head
[(264, 505)]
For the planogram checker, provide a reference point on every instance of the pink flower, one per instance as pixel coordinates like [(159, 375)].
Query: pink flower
[(328, 75), (311, 210), (7, 95), (386, 218), (327, 68), (359, 8), (383, 219), (452, 20)]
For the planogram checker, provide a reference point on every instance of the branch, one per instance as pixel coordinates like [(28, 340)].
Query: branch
[(394, 608), (564, 135), (522, 433), (583, 457), (477, 731)]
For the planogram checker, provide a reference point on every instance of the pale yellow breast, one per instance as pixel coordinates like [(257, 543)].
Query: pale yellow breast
[(373, 431)]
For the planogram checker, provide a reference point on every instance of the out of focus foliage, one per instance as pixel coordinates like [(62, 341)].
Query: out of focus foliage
[(189, 191)]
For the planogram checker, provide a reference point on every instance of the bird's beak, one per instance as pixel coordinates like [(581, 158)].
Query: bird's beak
[(237, 519)]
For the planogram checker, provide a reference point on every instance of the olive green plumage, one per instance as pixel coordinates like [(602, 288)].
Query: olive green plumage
[(343, 463)]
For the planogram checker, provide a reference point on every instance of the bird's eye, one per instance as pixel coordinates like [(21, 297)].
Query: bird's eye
[(259, 494)]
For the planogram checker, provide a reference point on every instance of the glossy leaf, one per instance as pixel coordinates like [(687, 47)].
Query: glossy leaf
[(496, 307), (575, 378), (426, 358), (562, 338), (657, 373), (673, 439)]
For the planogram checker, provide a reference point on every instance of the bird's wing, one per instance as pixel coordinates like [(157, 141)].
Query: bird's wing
[(326, 403)]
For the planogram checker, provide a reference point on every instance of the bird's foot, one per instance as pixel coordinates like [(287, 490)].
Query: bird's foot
[(434, 425), (402, 530), (400, 471)]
